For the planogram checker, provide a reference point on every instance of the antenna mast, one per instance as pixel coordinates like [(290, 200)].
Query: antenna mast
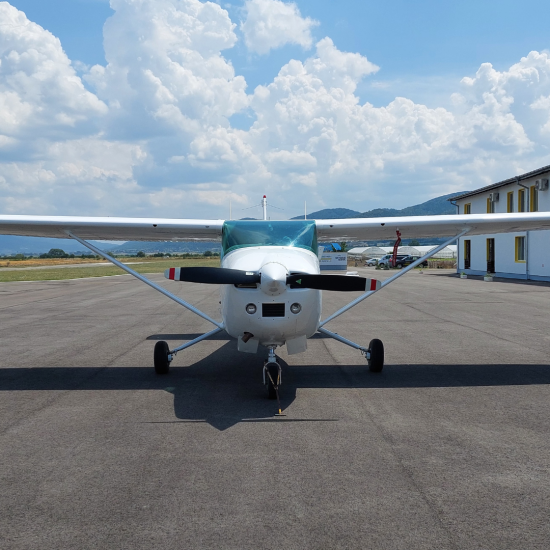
[(264, 205)]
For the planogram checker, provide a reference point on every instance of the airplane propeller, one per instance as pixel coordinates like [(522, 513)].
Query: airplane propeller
[(225, 276)]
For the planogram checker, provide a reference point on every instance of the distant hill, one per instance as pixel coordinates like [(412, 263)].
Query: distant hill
[(330, 214), (198, 247), (433, 207), (10, 244)]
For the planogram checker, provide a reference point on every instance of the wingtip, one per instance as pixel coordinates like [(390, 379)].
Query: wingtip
[(171, 273)]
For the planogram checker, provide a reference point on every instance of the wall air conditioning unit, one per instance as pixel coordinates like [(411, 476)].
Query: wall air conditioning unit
[(541, 185), (493, 197)]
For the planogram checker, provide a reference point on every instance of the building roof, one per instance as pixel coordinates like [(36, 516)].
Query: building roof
[(502, 183)]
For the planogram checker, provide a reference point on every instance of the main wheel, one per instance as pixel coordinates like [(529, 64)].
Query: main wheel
[(162, 365), (376, 361), (273, 371)]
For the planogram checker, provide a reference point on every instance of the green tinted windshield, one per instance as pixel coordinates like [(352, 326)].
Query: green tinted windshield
[(239, 234)]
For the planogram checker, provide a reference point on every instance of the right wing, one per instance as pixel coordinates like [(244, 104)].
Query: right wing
[(361, 229)]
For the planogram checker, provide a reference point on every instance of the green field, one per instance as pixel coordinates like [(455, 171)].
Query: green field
[(60, 274)]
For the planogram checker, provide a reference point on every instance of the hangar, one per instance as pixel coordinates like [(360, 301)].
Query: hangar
[(521, 255)]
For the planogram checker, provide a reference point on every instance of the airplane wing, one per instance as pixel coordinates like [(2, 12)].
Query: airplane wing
[(430, 226), (112, 229), (160, 229)]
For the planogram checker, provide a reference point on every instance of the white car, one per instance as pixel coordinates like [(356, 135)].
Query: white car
[(371, 261)]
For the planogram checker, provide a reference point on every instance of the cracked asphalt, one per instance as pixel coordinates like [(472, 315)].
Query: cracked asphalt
[(447, 448)]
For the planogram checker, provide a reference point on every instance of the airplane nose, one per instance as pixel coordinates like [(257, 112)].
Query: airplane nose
[(273, 282)]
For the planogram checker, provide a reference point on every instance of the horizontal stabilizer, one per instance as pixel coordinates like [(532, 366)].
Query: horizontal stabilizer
[(212, 275)]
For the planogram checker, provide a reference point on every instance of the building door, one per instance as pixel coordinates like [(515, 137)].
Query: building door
[(467, 252), (490, 255)]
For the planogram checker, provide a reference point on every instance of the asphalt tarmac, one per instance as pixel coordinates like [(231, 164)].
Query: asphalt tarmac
[(447, 448)]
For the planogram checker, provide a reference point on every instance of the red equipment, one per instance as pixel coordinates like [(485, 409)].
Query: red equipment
[(395, 247)]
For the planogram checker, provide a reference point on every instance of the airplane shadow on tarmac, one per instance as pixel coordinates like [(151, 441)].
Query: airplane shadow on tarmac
[(225, 388)]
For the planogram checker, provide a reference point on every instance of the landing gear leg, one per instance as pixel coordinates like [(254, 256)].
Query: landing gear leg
[(272, 377)]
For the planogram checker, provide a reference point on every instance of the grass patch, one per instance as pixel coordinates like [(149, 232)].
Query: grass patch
[(60, 274)]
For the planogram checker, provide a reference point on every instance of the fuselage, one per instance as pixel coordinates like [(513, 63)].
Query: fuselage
[(273, 322), (270, 313)]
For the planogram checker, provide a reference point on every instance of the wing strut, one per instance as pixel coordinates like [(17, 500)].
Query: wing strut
[(145, 280), (393, 278)]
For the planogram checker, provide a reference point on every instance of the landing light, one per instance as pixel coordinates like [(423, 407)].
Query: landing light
[(296, 308), (251, 309)]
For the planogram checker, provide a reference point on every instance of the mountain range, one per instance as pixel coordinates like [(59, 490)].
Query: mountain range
[(31, 245), (433, 207)]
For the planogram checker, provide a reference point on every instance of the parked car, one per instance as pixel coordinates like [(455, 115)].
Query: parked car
[(387, 260), (371, 261), (408, 260)]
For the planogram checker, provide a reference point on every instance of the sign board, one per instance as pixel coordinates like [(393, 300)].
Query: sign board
[(333, 261)]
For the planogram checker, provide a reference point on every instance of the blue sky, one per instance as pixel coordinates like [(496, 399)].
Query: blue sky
[(447, 134)]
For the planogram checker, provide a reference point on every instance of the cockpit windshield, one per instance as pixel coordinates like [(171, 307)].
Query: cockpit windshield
[(240, 234)]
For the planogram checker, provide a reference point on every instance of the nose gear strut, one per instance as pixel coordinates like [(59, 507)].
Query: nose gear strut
[(272, 377)]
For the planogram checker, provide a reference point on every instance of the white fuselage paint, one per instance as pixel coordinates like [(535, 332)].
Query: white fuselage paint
[(275, 263)]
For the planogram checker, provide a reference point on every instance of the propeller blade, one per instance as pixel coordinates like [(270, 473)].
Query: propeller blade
[(340, 283), (212, 275)]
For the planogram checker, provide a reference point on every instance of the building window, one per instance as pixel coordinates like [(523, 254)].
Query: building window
[(510, 201), (468, 208), (521, 200), (534, 200), (520, 249), (490, 206)]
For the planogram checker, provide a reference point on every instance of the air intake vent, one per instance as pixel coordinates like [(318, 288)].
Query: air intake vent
[(273, 310)]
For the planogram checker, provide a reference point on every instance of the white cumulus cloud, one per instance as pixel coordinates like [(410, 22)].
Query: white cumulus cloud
[(270, 24), (39, 89)]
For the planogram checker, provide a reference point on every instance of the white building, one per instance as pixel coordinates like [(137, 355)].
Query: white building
[(522, 255)]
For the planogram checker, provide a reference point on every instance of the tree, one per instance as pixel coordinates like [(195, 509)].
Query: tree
[(207, 254), (55, 253), (344, 246), (414, 242), (140, 254)]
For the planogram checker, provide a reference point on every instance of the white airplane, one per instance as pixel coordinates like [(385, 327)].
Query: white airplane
[(270, 276)]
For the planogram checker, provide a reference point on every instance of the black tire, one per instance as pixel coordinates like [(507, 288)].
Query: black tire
[(162, 365), (376, 361), (273, 370), (399, 266)]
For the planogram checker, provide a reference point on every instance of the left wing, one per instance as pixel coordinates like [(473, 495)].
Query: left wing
[(430, 226), (112, 229)]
